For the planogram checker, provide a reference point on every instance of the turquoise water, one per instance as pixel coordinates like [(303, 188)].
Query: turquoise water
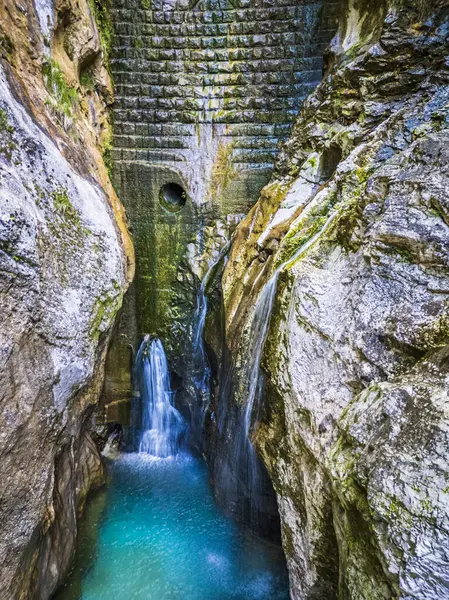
[(156, 534)]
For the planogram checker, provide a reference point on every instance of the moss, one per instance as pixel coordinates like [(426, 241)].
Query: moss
[(404, 255), (7, 141), (5, 126), (295, 240), (101, 10), (106, 143), (63, 206), (436, 335), (107, 157), (103, 313), (64, 99), (360, 557), (223, 170), (87, 79), (277, 338), (305, 230), (138, 43), (67, 226), (6, 46)]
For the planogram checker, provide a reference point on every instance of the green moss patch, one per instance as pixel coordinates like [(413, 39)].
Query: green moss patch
[(7, 141), (101, 10)]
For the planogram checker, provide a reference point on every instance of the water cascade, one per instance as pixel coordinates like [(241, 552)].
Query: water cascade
[(199, 367), (200, 362), (157, 533), (243, 453), (201, 370), (161, 424)]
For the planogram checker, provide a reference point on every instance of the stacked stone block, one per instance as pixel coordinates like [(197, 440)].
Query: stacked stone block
[(205, 92), (247, 65)]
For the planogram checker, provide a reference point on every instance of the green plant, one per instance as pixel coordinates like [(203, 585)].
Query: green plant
[(87, 79), (4, 124), (107, 157), (106, 146), (64, 99), (6, 46), (63, 207), (101, 10), (7, 142)]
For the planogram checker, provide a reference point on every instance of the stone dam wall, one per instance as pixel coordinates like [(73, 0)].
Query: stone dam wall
[(205, 93)]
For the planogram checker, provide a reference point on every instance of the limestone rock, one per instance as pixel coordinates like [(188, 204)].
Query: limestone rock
[(353, 428), (65, 262)]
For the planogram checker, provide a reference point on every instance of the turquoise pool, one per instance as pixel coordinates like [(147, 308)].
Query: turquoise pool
[(156, 534)]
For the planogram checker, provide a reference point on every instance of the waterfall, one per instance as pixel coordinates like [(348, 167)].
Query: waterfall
[(261, 322), (245, 453), (198, 368), (161, 425), (201, 370)]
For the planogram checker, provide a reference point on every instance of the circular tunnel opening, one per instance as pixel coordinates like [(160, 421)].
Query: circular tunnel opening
[(172, 196)]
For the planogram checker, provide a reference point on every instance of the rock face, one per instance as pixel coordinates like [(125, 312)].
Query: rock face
[(354, 421), (65, 262), (205, 91)]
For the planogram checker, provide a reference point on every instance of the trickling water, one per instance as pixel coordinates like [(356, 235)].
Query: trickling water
[(200, 363), (245, 454), (201, 370), (161, 424), (198, 369)]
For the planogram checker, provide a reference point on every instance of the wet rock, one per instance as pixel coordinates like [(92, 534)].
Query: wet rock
[(65, 261), (353, 425)]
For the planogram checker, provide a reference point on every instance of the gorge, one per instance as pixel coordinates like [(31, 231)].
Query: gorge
[(239, 388)]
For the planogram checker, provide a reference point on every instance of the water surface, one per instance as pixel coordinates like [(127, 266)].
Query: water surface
[(156, 534)]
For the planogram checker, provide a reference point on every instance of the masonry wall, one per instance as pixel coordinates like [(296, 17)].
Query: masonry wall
[(205, 93)]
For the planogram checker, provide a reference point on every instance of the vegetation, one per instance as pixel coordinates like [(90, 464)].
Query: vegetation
[(223, 170), (63, 207), (64, 99), (101, 9), (422, 7), (87, 79), (7, 143), (6, 46)]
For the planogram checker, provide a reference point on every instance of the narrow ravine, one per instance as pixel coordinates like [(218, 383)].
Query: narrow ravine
[(156, 533)]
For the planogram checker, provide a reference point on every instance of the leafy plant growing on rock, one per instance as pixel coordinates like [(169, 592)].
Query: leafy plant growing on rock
[(101, 10), (87, 79), (64, 99)]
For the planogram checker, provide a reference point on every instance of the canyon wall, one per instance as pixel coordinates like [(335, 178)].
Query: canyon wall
[(205, 91), (65, 262), (354, 228)]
